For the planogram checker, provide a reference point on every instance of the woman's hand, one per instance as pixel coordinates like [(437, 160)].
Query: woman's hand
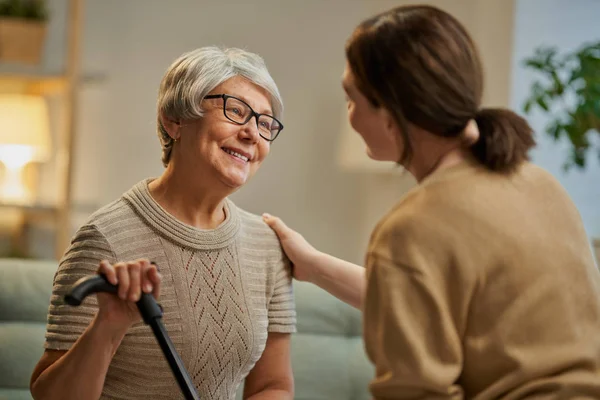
[(343, 279), (300, 252), (132, 278)]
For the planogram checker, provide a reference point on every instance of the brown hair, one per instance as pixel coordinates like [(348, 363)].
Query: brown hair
[(420, 63)]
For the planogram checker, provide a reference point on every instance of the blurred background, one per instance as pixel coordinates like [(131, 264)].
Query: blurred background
[(78, 86)]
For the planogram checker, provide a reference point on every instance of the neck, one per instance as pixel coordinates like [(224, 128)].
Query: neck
[(187, 200), (421, 169)]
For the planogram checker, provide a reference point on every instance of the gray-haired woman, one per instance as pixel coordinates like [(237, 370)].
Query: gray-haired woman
[(224, 282)]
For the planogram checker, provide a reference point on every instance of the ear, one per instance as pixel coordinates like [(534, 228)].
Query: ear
[(389, 123), (171, 126)]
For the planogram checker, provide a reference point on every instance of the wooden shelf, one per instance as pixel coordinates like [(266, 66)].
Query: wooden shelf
[(29, 84), (41, 84), (32, 209), (65, 84)]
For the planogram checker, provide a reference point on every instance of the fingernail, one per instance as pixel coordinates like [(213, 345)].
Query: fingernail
[(266, 215), (147, 288), (156, 265)]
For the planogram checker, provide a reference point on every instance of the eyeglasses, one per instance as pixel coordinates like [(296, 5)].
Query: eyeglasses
[(239, 112)]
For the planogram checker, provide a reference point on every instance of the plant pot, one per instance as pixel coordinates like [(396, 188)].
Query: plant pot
[(21, 40)]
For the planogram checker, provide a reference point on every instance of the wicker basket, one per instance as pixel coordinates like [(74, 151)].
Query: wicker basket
[(21, 40)]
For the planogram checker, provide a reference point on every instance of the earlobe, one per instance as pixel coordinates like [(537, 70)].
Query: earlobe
[(171, 127), (470, 135)]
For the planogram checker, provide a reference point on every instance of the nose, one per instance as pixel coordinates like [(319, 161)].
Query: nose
[(249, 131)]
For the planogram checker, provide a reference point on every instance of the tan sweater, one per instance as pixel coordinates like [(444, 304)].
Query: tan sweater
[(482, 286), (222, 291)]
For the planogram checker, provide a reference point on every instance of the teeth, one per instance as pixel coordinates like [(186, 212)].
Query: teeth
[(238, 155)]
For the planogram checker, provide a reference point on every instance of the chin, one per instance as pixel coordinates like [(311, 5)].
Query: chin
[(234, 183), (235, 180), (383, 155), (373, 155)]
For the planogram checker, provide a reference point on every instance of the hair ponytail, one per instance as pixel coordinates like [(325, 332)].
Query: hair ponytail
[(504, 139)]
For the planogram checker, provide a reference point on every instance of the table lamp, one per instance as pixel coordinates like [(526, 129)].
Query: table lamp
[(24, 138)]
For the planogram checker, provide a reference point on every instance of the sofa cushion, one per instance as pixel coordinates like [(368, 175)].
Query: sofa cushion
[(25, 288), (330, 367), (21, 350), (14, 394), (321, 313), (328, 354)]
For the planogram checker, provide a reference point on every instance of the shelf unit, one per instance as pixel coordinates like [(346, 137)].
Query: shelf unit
[(65, 88)]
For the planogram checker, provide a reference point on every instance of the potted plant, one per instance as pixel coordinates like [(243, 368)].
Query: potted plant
[(22, 30), (569, 93)]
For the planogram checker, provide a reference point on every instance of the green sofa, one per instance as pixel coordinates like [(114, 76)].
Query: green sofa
[(327, 352)]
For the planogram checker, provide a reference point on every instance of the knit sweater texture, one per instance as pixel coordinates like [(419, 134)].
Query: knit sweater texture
[(223, 290), (483, 286)]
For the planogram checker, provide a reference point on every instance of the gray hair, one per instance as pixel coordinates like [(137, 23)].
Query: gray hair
[(194, 74)]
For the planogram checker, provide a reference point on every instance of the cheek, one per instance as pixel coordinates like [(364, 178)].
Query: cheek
[(360, 122), (355, 119), (264, 148)]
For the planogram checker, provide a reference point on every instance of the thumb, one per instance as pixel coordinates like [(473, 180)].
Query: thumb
[(276, 224)]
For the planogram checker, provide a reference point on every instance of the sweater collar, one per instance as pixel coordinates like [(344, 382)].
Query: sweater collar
[(168, 226)]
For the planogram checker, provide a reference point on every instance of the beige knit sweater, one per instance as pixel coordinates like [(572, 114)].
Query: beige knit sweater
[(482, 286), (223, 290)]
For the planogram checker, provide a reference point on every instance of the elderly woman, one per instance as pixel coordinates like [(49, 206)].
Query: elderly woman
[(224, 283)]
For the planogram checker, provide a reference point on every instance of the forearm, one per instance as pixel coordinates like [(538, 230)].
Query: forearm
[(342, 279), (81, 372)]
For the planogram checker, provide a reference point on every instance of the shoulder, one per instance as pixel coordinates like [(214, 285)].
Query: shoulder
[(412, 214), (541, 179), (109, 220), (258, 238), (421, 227), (113, 214), (253, 225)]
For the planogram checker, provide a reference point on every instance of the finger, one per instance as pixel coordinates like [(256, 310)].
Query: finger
[(123, 277), (280, 228), (146, 282), (135, 289), (156, 279), (108, 271)]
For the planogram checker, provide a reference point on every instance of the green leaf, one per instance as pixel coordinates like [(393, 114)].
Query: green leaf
[(559, 88), (527, 106), (579, 158), (555, 130), (28, 9), (542, 103)]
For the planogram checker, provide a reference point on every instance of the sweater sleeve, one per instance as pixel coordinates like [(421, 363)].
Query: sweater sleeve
[(66, 323), (415, 310), (282, 309)]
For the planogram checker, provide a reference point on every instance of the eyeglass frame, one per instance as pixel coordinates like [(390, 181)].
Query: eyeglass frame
[(252, 113)]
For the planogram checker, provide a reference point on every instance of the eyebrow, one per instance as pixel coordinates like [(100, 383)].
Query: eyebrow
[(268, 111)]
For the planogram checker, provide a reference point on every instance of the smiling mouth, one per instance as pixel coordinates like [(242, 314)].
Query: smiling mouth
[(233, 153)]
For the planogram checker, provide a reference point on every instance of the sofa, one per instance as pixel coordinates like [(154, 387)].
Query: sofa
[(327, 352)]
